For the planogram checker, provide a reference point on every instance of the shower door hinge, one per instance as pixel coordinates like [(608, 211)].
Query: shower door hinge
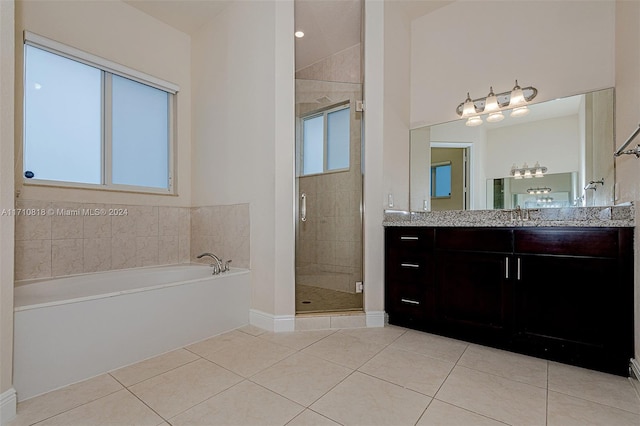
[(359, 106), (359, 286)]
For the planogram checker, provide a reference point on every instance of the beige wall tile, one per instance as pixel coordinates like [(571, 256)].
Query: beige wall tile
[(147, 251), (67, 220), (97, 223), (146, 218), (168, 221), (124, 251), (33, 259), (97, 254), (67, 257), (33, 221), (168, 250)]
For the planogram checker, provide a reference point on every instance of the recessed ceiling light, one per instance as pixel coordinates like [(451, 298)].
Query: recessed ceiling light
[(299, 34)]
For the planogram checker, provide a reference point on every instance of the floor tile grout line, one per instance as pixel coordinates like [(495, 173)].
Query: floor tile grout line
[(169, 420), (470, 411), (424, 411), (546, 417), (156, 375), (145, 404), (594, 402), (79, 405)]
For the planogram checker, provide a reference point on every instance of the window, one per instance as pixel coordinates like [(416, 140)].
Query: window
[(441, 180), (92, 123), (325, 141)]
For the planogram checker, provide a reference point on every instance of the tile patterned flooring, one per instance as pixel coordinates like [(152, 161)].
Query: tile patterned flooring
[(382, 376)]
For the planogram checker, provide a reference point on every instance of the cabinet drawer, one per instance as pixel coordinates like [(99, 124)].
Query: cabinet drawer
[(474, 239), (596, 242), (409, 239), (408, 267), (409, 297)]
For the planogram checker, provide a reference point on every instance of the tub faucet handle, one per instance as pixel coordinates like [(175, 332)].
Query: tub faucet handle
[(226, 266)]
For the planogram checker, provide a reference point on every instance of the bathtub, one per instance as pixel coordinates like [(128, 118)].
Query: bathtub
[(74, 328)]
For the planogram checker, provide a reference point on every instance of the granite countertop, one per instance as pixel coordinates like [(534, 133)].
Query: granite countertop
[(605, 216)]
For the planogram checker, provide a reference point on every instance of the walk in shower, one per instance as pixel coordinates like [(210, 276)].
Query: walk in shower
[(329, 183), (328, 153)]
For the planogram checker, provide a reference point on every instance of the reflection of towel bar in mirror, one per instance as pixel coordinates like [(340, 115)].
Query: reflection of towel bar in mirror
[(635, 151)]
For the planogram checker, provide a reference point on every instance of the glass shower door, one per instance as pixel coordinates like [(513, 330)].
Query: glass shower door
[(329, 185)]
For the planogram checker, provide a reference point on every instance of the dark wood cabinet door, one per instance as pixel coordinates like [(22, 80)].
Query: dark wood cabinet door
[(474, 292)]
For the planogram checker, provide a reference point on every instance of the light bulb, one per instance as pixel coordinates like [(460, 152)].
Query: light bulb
[(539, 173), (468, 108), (491, 103), (517, 97)]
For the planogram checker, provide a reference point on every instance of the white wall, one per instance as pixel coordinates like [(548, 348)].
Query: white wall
[(560, 47), (6, 202), (118, 32), (243, 135), (554, 143), (627, 61)]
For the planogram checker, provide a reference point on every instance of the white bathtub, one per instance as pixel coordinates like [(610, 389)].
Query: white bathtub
[(73, 328)]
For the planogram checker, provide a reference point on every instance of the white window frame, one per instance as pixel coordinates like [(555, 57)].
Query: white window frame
[(324, 113), (108, 69)]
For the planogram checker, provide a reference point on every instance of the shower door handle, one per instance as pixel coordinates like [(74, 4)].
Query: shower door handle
[(303, 207)]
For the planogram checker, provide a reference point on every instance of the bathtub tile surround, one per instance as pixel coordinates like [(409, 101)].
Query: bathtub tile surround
[(223, 231), (62, 238), (306, 386)]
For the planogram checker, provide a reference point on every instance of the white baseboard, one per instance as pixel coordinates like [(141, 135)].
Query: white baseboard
[(634, 366), (275, 323), (375, 318), (8, 405)]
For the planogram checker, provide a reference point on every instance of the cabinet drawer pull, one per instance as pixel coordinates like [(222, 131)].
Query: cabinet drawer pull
[(409, 265), (519, 269), (408, 238), (413, 302)]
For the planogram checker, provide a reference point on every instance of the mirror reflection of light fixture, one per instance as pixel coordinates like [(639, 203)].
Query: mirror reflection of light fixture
[(538, 190), (493, 104), (528, 172)]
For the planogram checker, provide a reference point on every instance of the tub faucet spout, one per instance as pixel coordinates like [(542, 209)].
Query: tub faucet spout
[(217, 267)]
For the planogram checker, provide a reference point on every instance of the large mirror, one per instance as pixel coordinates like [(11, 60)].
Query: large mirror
[(455, 167)]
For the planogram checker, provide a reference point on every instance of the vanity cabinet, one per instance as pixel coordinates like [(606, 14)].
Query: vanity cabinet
[(562, 293)]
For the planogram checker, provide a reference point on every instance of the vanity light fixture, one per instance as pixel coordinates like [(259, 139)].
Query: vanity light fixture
[(528, 172), (538, 190), (493, 104)]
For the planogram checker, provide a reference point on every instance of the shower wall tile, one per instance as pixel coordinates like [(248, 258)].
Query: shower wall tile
[(63, 238)]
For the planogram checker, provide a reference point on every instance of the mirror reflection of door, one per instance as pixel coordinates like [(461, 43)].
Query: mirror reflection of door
[(449, 172)]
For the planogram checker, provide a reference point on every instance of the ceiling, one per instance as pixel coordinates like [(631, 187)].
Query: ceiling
[(330, 26)]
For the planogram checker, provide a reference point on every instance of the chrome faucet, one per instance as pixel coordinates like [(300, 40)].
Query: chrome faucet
[(217, 267)]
